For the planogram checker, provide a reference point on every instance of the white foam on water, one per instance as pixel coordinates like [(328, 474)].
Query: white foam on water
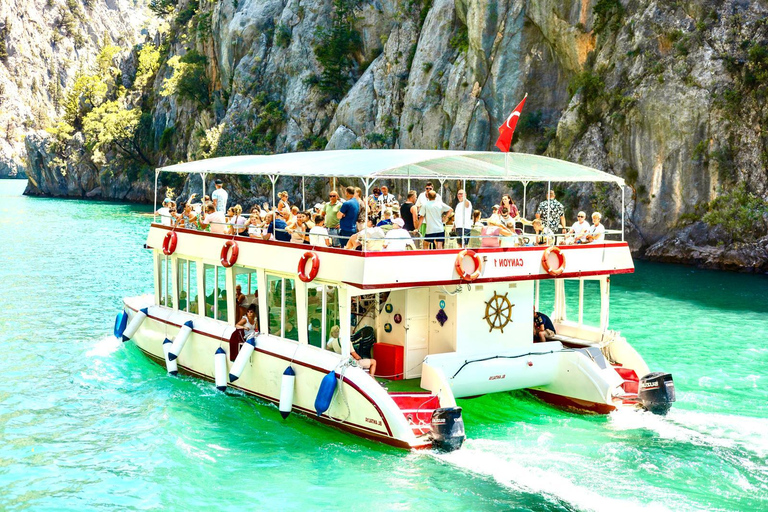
[(193, 452), (518, 473), (701, 428), (105, 347)]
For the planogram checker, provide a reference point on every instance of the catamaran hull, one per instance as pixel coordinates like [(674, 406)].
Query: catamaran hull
[(360, 405)]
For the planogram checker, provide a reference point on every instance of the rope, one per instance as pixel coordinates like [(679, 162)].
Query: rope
[(466, 363)]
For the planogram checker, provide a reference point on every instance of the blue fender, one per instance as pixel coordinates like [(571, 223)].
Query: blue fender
[(121, 322), (325, 393)]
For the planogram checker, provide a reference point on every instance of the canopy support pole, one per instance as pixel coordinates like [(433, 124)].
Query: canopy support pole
[(367, 185), (273, 179), (442, 192), (622, 212), (466, 196), (303, 198), (203, 176), (157, 175), (525, 186)]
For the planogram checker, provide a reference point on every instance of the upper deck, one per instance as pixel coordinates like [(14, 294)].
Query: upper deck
[(372, 270)]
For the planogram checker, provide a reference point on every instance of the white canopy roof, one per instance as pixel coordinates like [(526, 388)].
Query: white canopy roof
[(400, 164)]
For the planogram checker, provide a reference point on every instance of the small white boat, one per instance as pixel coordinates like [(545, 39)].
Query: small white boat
[(451, 322)]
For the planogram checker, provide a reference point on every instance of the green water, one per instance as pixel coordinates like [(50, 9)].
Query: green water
[(88, 423)]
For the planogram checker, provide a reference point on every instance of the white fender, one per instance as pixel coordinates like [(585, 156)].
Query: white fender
[(180, 340), (170, 365), (286, 392), (220, 369), (242, 359), (134, 324)]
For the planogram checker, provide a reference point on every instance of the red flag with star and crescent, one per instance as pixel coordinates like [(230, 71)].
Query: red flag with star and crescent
[(507, 129)]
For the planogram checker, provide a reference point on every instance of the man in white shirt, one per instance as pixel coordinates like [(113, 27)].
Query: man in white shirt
[(215, 219), (219, 197), (165, 212), (580, 229), (462, 220), (371, 235), (386, 198), (318, 235), (423, 196), (432, 213), (596, 230), (398, 239)]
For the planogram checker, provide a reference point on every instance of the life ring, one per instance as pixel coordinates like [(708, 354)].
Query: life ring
[(464, 275), (303, 266), (169, 243), (228, 260), (560, 261)]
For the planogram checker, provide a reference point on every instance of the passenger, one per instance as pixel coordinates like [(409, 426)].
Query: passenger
[(220, 197), (299, 230), (347, 216), (277, 226), (165, 212), (504, 216), (477, 230), (507, 233), (432, 214), (596, 230), (398, 239), (249, 322), (238, 225), (330, 210), (450, 231), (318, 235), (361, 204), (386, 219), (409, 213), (543, 328), (463, 217), (239, 301), (578, 232), (371, 235), (552, 213), (283, 207), (254, 223), (214, 219), (386, 199), (334, 344), (187, 219), (375, 194), (423, 196), (542, 234)]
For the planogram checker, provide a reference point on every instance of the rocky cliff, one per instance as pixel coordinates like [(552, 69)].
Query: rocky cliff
[(669, 95)]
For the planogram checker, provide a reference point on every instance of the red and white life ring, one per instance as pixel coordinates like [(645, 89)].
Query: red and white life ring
[(464, 275), (229, 258), (554, 272), (313, 269), (169, 243)]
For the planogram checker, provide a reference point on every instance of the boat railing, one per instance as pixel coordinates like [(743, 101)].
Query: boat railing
[(376, 244)]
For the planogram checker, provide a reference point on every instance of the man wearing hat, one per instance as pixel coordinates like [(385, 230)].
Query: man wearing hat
[(220, 197), (398, 239)]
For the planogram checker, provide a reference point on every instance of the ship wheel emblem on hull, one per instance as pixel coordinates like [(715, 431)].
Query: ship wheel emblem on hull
[(498, 312)]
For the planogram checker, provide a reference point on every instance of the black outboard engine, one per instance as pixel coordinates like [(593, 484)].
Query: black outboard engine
[(447, 429), (656, 392)]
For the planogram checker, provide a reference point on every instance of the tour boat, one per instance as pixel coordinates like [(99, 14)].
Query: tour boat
[(445, 324)]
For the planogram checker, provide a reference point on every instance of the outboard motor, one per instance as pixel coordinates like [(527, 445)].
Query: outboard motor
[(447, 429), (656, 392)]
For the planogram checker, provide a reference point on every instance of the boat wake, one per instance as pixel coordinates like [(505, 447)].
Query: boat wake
[(699, 428), (104, 347), (522, 472)]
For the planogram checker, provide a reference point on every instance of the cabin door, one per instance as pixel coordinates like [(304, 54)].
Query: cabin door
[(417, 330), (442, 326)]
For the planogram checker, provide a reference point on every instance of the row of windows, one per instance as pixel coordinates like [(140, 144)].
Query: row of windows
[(282, 318)]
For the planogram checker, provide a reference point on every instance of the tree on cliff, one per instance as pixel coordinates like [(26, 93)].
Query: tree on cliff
[(335, 49), (109, 126)]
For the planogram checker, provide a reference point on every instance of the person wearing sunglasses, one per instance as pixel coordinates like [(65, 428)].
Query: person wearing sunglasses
[(578, 232)]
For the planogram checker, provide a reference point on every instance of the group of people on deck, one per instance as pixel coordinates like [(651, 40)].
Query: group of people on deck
[(423, 220)]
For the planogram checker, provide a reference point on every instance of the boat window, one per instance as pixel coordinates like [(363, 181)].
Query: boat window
[(281, 307), (215, 292), (187, 272), (166, 285), (322, 312), (247, 280)]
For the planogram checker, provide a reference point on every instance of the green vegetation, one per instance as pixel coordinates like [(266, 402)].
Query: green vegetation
[(283, 36), (189, 80), (743, 215), (148, 64), (591, 86), (239, 139), (186, 14), (4, 31), (110, 126), (162, 7), (607, 15), (335, 48), (460, 39)]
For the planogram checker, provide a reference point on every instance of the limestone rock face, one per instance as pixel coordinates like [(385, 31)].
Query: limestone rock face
[(668, 95)]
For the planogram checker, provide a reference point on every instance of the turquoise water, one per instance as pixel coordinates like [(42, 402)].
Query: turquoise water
[(90, 423)]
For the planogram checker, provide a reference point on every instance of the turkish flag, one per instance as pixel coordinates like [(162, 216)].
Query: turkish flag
[(507, 129)]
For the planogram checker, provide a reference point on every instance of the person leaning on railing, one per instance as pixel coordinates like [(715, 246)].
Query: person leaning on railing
[(214, 219), (238, 225), (596, 231)]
